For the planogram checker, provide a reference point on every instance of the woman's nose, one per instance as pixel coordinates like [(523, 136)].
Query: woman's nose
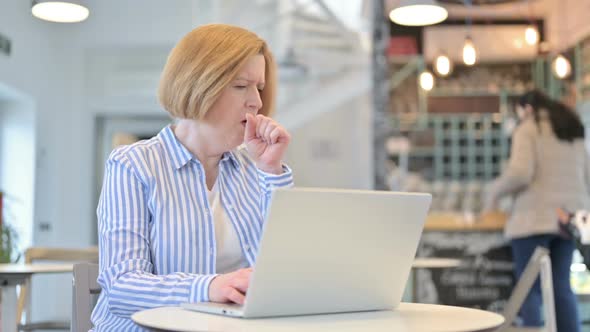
[(254, 101)]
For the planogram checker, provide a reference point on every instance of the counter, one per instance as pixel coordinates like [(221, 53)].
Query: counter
[(484, 279), (456, 221)]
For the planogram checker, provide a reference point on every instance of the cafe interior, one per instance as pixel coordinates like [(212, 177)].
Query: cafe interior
[(388, 95)]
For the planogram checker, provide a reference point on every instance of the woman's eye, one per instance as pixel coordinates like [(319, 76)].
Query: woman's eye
[(240, 86)]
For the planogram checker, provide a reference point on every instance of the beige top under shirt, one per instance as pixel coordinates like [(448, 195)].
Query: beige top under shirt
[(229, 252)]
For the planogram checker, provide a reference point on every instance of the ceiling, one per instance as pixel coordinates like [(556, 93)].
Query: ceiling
[(489, 9)]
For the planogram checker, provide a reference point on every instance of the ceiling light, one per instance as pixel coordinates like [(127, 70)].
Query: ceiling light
[(418, 13), (443, 65), (531, 35), (58, 11), (469, 52), (561, 67), (426, 80)]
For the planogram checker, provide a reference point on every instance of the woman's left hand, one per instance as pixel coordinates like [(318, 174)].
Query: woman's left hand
[(266, 142)]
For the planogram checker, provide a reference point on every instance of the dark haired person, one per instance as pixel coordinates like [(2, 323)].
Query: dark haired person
[(548, 169)]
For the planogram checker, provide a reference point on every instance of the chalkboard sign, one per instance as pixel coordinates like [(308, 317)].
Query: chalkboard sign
[(484, 280)]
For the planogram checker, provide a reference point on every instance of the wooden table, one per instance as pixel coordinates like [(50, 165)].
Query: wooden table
[(408, 317), (12, 275), (435, 263)]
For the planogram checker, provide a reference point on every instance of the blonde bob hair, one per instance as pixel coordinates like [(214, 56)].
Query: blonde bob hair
[(204, 62)]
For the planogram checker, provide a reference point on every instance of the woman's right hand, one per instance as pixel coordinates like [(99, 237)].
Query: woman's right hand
[(230, 287)]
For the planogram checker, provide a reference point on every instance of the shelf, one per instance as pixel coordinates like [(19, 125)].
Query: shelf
[(462, 140), (402, 59)]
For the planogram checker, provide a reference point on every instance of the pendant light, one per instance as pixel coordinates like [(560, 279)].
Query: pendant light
[(561, 67), (443, 65), (67, 11), (426, 80), (469, 52), (531, 35), (418, 13)]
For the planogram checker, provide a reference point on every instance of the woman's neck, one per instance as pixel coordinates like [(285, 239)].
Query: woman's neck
[(191, 135)]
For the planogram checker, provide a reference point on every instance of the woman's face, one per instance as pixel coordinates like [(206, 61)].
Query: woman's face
[(226, 120)]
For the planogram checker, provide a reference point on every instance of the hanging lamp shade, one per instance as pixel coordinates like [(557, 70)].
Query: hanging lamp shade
[(418, 13), (469, 52), (562, 67), (67, 11), (531, 35), (443, 65), (426, 80)]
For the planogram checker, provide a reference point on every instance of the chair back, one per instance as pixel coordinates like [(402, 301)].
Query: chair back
[(84, 294), (539, 263), (48, 254)]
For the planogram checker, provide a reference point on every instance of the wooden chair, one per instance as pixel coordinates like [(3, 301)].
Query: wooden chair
[(38, 254)]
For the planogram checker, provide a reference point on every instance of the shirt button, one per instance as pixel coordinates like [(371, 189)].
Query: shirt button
[(247, 247), (206, 211), (230, 207), (211, 251)]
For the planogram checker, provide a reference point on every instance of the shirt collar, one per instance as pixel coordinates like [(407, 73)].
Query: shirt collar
[(180, 155), (231, 156)]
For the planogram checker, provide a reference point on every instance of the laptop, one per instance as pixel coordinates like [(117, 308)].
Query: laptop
[(330, 251)]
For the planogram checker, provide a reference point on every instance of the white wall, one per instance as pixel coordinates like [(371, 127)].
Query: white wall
[(335, 148), (114, 28), (48, 63), (36, 69), (31, 69), (567, 22)]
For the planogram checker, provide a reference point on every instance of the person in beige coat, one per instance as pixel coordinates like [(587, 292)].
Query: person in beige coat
[(548, 169)]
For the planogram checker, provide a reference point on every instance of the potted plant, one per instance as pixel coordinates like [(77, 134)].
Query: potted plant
[(8, 237)]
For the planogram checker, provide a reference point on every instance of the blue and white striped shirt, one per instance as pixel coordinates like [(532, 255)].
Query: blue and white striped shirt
[(156, 231)]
